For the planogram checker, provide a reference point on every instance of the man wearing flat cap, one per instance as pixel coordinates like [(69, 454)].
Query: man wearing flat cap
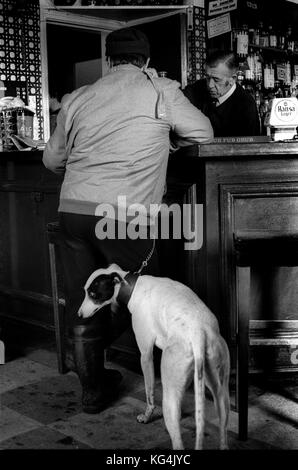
[(111, 146)]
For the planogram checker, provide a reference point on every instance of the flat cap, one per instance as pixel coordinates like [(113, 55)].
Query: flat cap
[(127, 41)]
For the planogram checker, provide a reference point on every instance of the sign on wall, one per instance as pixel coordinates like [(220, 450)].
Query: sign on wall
[(217, 7), (281, 72), (219, 25)]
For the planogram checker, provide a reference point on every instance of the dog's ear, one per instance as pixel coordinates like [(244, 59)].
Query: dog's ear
[(115, 267), (117, 279)]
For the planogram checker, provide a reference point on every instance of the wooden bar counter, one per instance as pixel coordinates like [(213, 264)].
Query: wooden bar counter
[(28, 200), (251, 188), (243, 187)]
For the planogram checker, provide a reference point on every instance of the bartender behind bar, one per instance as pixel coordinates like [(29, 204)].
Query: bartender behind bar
[(231, 109)]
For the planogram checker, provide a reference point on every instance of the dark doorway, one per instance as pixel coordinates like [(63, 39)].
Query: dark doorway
[(74, 57)]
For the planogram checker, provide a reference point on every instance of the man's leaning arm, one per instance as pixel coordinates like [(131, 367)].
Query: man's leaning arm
[(189, 123), (54, 155)]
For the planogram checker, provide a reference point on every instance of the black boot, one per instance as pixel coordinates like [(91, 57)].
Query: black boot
[(99, 385)]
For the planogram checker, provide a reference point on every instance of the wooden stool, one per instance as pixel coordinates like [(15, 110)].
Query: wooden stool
[(255, 248), (54, 240)]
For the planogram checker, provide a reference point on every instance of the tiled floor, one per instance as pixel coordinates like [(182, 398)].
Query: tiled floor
[(40, 409)]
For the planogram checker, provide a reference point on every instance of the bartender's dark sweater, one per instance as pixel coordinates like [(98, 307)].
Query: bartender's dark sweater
[(237, 116)]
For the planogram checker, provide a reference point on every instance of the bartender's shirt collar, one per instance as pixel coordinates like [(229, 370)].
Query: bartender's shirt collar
[(223, 98)]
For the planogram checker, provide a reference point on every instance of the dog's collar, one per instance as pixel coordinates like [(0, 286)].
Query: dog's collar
[(127, 288)]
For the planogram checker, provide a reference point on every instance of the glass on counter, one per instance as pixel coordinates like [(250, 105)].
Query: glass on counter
[(15, 122), (8, 127)]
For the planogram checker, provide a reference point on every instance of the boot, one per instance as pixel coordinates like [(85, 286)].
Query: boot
[(99, 385)]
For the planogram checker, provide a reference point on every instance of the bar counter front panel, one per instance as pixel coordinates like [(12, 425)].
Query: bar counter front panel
[(243, 187), (29, 196)]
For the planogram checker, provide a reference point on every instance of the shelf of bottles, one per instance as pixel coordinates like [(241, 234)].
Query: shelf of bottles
[(268, 63)]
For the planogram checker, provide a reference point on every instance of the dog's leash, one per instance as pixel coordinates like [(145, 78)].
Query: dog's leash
[(129, 282), (147, 259)]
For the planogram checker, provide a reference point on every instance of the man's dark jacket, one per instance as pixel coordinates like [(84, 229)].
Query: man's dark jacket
[(237, 116)]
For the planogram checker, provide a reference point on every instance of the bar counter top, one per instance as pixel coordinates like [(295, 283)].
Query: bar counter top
[(21, 155), (260, 149), (248, 147), (244, 148)]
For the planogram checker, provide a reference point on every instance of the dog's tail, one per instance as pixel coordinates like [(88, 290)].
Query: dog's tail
[(199, 386)]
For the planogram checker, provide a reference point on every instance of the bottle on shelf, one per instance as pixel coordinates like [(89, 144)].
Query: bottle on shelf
[(286, 92), (290, 42), (251, 35), (21, 122), (272, 37), (295, 80), (258, 101), (278, 89), (266, 76), (281, 40), (258, 69), (264, 36), (234, 39), (240, 75), (242, 42), (264, 108), (250, 70), (272, 76), (293, 87), (269, 77), (256, 37), (288, 75)]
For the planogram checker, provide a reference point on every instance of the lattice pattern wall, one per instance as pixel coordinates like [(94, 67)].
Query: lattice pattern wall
[(20, 62), (197, 46)]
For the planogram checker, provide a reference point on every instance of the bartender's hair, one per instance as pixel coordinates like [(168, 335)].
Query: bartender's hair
[(135, 59), (226, 57)]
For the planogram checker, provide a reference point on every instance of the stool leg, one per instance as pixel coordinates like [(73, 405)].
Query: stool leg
[(57, 317), (2, 352), (243, 293)]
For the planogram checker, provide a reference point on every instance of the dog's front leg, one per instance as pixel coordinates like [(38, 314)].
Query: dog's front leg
[(148, 372)]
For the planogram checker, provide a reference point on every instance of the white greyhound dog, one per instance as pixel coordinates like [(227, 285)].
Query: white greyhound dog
[(169, 315)]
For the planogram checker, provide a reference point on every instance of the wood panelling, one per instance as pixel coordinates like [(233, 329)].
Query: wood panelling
[(28, 201), (271, 207), (242, 192)]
